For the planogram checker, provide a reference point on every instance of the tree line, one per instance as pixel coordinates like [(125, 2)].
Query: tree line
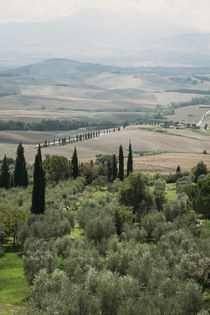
[(56, 168), (52, 125), (78, 137)]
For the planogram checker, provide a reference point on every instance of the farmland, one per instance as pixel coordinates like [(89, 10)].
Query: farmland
[(154, 151), (96, 94)]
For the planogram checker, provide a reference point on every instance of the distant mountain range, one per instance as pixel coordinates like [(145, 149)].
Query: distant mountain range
[(122, 38)]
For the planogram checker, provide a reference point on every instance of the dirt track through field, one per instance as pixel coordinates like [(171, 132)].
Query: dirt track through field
[(153, 151)]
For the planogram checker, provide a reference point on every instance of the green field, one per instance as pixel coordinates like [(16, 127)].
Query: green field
[(206, 226), (171, 194), (14, 289)]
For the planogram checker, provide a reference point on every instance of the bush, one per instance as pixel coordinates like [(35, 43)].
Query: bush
[(54, 223), (134, 193), (94, 216), (121, 215), (55, 294), (175, 208), (160, 194), (38, 254), (183, 184), (198, 170), (151, 221)]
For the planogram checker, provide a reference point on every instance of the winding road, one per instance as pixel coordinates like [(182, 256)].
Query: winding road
[(203, 118)]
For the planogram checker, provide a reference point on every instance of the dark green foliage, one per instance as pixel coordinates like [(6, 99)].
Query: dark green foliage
[(20, 173), (160, 194), (38, 193), (103, 159), (100, 182), (74, 161), (43, 125), (121, 163), (178, 170), (4, 175), (109, 171), (89, 171), (94, 216), (55, 294), (152, 223), (114, 167), (134, 193), (130, 161), (134, 278), (54, 223), (200, 197), (183, 184), (198, 170), (57, 168), (38, 254), (129, 259), (77, 264), (175, 208), (121, 215)]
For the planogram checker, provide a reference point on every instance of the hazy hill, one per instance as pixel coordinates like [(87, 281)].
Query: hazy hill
[(110, 37)]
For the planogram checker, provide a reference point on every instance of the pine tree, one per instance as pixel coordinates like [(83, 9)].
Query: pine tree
[(20, 173), (38, 193), (130, 161), (4, 176), (121, 163), (114, 167), (74, 162)]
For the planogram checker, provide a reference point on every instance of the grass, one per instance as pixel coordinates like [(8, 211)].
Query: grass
[(206, 225), (77, 233), (13, 286), (99, 193), (171, 194)]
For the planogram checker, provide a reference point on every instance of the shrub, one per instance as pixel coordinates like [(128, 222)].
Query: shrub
[(198, 170), (134, 193), (183, 184), (151, 221), (38, 254)]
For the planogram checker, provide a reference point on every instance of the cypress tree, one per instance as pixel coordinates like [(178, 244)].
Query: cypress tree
[(114, 167), (109, 172), (38, 193), (20, 173), (121, 163), (74, 162), (130, 161), (178, 170), (4, 176)]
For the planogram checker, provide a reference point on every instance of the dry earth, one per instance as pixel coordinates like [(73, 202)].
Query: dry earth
[(162, 152)]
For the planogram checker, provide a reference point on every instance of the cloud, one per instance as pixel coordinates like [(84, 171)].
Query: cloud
[(191, 12)]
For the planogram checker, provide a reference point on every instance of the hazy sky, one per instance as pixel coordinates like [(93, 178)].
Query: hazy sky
[(193, 12)]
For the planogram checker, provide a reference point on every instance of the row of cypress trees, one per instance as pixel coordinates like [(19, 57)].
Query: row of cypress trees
[(20, 176), (112, 171)]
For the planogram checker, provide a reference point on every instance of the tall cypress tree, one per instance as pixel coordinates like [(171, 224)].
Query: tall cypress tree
[(109, 172), (74, 162), (114, 167), (20, 173), (4, 176), (38, 193), (130, 161), (121, 163)]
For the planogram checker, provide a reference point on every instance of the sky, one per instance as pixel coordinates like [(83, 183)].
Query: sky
[(194, 13)]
